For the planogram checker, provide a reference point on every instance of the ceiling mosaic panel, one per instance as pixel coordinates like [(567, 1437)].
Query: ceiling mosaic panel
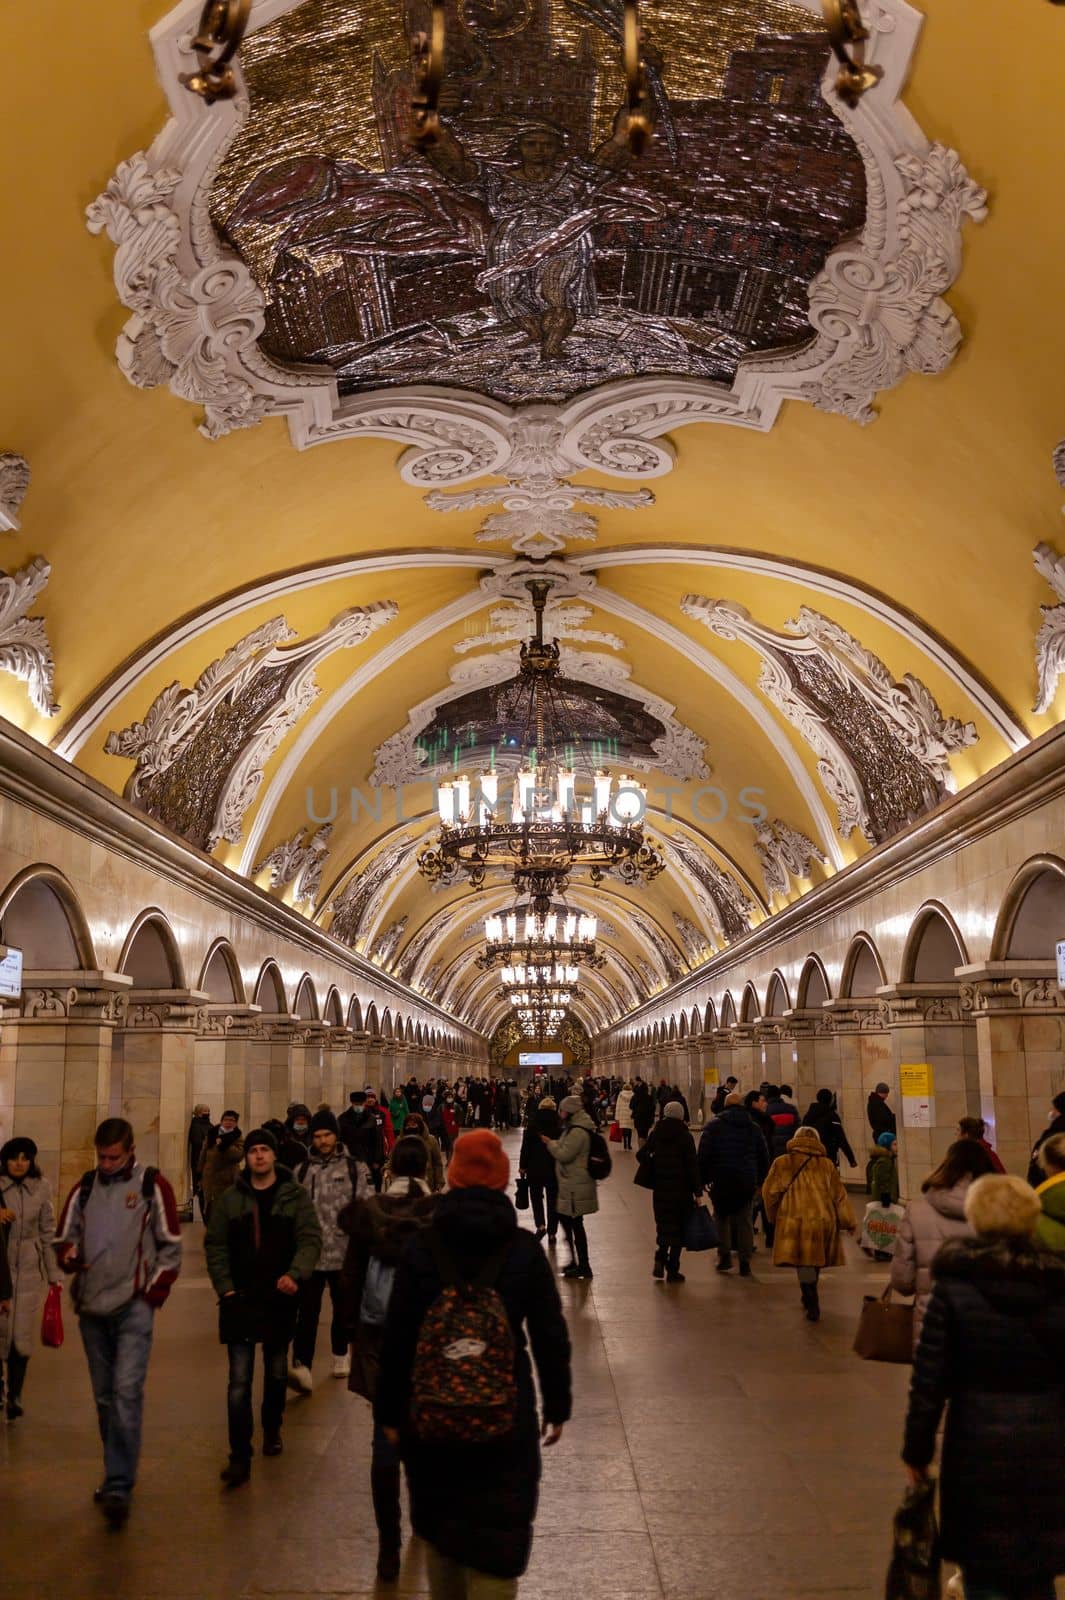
[(527, 255)]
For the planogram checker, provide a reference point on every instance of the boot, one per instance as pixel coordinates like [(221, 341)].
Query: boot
[(236, 1472), (673, 1272), (384, 1488), (724, 1261), (16, 1376), (811, 1303), (659, 1269)]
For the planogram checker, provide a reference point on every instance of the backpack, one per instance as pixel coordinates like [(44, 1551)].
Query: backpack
[(89, 1178), (376, 1292), (463, 1389), (600, 1165)]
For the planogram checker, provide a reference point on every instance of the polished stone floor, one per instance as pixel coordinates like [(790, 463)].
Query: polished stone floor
[(722, 1448)]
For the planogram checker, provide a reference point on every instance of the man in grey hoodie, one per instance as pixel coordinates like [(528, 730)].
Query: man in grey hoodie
[(119, 1237)]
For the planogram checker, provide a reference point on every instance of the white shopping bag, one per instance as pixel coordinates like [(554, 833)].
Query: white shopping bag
[(880, 1226)]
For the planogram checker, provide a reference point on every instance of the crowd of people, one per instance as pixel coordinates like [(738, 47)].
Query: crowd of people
[(442, 1305)]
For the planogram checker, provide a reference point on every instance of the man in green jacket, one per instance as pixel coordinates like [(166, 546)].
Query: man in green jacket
[(263, 1239)]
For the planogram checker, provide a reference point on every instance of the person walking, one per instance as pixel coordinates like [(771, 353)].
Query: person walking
[(333, 1180), (26, 1209), (823, 1116), (938, 1214), (294, 1143), (642, 1110), (880, 1115), (1055, 1124), (377, 1228), (473, 1497), (623, 1115), (784, 1116), (677, 1187), (120, 1240), (416, 1128), (975, 1128), (536, 1163), (882, 1182), (263, 1241), (361, 1136), (221, 1160), (198, 1140), (990, 1354), (808, 1207), (1050, 1229), (398, 1109), (577, 1194), (733, 1160)]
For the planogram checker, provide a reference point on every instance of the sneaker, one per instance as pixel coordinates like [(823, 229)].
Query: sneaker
[(115, 1508), (745, 1269), (342, 1366), (235, 1472), (272, 1444), (299, 1377)]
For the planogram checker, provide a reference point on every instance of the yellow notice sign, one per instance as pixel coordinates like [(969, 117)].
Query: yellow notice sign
[(710, 1078), (915, 1080)]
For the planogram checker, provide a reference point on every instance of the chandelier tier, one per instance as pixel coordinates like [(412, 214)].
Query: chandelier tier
[(548, 829), (568, 937)]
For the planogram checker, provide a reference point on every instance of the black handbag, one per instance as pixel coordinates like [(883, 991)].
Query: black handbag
[(644, 1177), (521, 1194), (700, 1230), (914, 1570)]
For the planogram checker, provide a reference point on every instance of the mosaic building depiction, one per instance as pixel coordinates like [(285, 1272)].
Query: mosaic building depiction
[(527, 254)]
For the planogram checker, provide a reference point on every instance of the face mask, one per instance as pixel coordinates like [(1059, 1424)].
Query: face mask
[(300, 1127)]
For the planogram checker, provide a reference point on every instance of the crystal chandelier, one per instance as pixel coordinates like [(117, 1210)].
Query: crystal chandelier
[(546, 828), (541, 1024), (549, 938)]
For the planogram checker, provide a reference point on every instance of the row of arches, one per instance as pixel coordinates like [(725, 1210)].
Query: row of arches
[(1030, 921), (40, 914)]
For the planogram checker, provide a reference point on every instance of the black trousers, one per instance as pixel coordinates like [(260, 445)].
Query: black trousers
[(668, 1254), (577, 1239), (241, 1372), (539, 1193), (626, 1138), (305, 1338)]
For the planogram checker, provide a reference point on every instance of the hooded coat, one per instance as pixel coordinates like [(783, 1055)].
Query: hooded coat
[(1050, 1229), (643, 1107), (31, 1259), (623, 1109), (378, 1226), (828, 1125), (733, 1159), (535, 1159), (332, 1183), (807, 1205), (882, 1174), (990, 1351), (880, 1115), (248, 1260), (221, 1164), (670, 1152), (930, 1220), (476, 1503), (577, 1195)]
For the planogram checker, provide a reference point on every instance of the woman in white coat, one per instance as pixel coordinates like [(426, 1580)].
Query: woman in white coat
[(26, 1210), (938, 1214), (623, 1114)]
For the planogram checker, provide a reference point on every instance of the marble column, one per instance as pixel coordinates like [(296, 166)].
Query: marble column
[(746, 1058), (929, 1028), (336, 1067), (1019, 1013), (221, 1072), (864, 1053), (153, 1066), (768, 1054), (809, 1059), (306, 1046), (55, 1066)]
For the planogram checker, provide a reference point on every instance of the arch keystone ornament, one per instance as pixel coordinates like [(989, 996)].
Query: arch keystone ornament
[(785, 854), (200, 753), (299, 861), (237, 324), (883, 746), (24, 648)]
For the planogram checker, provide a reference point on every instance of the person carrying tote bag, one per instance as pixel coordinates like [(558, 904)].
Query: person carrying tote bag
[(885, 1331)]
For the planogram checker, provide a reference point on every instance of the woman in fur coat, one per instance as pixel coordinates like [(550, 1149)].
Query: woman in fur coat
[(807, 1205)]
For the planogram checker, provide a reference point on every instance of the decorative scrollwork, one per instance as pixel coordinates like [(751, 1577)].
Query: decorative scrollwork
[(847, 34), (427, 56), (216, 42)]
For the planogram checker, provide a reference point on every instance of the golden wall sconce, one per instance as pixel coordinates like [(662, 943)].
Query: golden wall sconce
[(427, 55), (848, 34), (216, 42)]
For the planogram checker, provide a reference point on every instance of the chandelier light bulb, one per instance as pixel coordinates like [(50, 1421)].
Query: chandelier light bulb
[(445, 803), (571, 927), (550, 924), (488, 794), (462, 799), (512, 926), (602, 793), (629, 801), (493, 929), (586, 928)]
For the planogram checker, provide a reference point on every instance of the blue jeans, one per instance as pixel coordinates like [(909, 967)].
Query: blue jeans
[(1028, 1589), (238, 1395), (117, 1348)]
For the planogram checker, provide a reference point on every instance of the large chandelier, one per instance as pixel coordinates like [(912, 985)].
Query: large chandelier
[(549, 939), (546, 1024), (547, 827)]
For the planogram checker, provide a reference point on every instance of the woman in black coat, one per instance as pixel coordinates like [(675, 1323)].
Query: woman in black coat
[(670, 1155), (991, 1350), (642, 1110), (538, 1165), (474, 1504)]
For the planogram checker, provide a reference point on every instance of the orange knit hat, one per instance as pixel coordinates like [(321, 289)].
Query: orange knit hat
[(479, 1162)]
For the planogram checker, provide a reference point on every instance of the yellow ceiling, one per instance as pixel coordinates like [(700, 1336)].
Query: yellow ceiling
[(938, 505)]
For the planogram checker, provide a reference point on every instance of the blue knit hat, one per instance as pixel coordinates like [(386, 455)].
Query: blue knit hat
[(885, 1140)]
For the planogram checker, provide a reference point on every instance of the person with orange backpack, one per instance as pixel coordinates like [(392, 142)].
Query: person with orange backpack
[(471, 1294)]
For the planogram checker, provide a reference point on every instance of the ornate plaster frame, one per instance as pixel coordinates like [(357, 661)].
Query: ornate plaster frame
[(876, 310)]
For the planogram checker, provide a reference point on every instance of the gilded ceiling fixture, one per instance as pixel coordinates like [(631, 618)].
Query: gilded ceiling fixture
[(427, 57), (848, 34), (548, 830), (216, 42), (640, 120), (550, 938)]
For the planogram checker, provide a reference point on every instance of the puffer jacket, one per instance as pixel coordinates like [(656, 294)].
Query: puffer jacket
[(670, 1153), (377, 1226), (806, 1202), (31, 1260), (577, 1196), (733, 1159), (991, 1346), (248, 1261), (623, 1109), (882, 1175), (1050, 1229), (932, 1219), (332, 1184)]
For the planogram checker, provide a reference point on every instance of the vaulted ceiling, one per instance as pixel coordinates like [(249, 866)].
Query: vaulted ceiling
[(832, 620)]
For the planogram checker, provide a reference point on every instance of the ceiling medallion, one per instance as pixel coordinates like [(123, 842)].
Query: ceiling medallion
[(526, 258), (547, 830)]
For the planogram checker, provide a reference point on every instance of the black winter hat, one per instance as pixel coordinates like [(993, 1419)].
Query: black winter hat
[(325, 1120), (260, 1136)]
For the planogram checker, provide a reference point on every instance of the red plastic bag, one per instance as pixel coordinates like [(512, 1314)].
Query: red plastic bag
[(52, 1318), (615, 1133)]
